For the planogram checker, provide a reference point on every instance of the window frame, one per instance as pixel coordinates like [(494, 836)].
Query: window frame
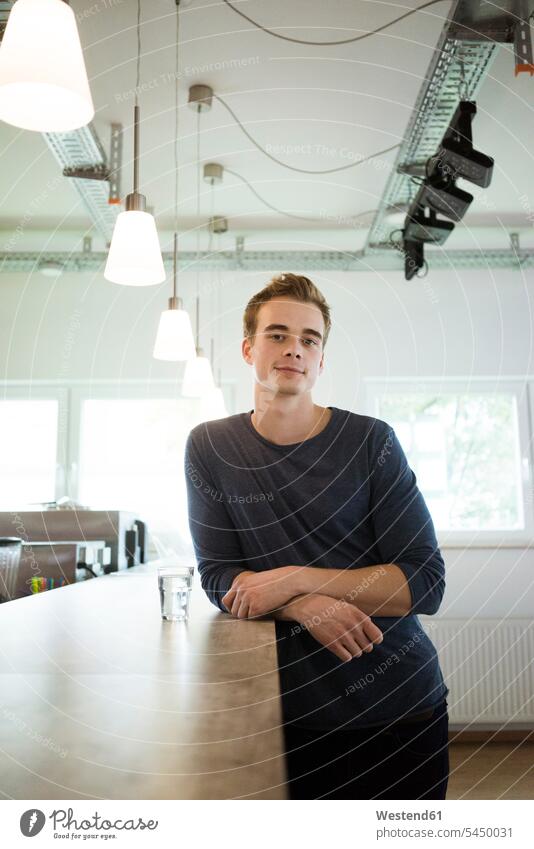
[(31, 390), (124, 390), (519, 387), (70, 396)]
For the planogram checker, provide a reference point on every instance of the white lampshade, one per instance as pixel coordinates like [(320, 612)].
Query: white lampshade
[(212, 405), (134, 257), (174, 341), (198, 378), (43, 81)]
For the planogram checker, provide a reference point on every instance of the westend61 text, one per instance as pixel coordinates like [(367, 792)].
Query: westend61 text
[(408, 815)]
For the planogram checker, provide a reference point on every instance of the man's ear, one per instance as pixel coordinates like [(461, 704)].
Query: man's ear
[(321, 364), (245, 350)]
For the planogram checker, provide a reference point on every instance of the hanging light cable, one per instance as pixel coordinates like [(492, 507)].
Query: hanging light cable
[(134, 257), (174, 341), (212, 404), (198, 377), (222, 404), (43, 80), (210, 248)]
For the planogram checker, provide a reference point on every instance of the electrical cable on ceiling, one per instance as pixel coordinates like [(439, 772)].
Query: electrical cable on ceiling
[(176, 107), (198, 230), (210, 248), (138, 66), (210, 225), (281, 211), (395, 242), (292, 167), (424, 268), (219, 328), (198, 181), (265, 202), (331, 43)]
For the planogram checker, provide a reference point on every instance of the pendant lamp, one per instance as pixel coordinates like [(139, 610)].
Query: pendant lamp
[(174, 341), (198, 377), (43, 81), (134, 257), (212, 405)]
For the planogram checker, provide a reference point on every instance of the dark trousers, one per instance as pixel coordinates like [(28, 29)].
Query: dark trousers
[(408, 760)]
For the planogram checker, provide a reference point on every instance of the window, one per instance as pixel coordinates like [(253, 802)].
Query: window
[(103, 444), (469, 451), (129, 443), (29, 430), (131, 458)]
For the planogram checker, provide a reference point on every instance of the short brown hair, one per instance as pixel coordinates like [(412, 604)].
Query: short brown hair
[(292, 285)]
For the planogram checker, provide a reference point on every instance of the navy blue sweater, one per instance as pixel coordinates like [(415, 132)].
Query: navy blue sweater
[(343, 499)]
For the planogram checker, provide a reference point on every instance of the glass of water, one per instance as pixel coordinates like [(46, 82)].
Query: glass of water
[(175, 583)]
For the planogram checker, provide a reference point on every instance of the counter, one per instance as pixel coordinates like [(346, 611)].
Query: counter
[(102, 699)]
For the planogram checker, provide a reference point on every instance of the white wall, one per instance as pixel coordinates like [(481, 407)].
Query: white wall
[(444, 325), (474, 323)]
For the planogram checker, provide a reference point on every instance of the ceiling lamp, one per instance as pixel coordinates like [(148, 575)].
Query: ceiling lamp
[(174, 341), (212, 405), (43, 81), (198, 376), (134, 257), (51, 268)]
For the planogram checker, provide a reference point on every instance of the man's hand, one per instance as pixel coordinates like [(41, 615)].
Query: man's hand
[(341, 627), (253, 594)]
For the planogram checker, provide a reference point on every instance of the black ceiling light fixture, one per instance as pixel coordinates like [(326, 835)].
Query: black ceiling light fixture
[(442, 196), (427, 228), (418, 230), (456, 155), (439, 194)]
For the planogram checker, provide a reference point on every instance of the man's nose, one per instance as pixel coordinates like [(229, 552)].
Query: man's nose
[(293, 347)]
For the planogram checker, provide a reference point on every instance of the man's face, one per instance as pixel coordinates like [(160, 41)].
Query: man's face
[(287, 350)]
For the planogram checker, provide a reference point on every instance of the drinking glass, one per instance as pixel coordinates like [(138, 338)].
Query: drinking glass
[(175, 583)]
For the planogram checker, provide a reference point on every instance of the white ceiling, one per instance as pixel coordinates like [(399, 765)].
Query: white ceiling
[(337, 102)]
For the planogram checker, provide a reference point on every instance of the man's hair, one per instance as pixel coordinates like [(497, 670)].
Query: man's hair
[(291, 285)]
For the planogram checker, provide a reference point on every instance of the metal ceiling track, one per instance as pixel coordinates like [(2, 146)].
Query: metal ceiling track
[(379, 260), (457, 70), (83, 160)]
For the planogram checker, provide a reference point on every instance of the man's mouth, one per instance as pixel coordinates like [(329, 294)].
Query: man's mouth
[(288, 368)]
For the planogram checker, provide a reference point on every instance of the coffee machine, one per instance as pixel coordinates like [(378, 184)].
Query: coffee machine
[(67, 545)]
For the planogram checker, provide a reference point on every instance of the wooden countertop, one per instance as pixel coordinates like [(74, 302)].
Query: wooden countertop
[(102, 699)]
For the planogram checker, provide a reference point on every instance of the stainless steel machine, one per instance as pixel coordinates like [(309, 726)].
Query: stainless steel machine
[(67, 545)]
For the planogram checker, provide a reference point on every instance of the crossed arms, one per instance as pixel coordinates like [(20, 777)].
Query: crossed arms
[(377, 590), (322, 601)]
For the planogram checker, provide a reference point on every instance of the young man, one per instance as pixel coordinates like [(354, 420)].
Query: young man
[(311, 515)]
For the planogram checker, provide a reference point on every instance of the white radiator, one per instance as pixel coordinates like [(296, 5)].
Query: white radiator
[(488, 666)]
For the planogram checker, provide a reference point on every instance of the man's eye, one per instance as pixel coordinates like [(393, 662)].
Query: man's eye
[(277, 337)]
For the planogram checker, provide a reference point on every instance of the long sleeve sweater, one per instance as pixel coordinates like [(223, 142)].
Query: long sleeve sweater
[(343, 499)]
